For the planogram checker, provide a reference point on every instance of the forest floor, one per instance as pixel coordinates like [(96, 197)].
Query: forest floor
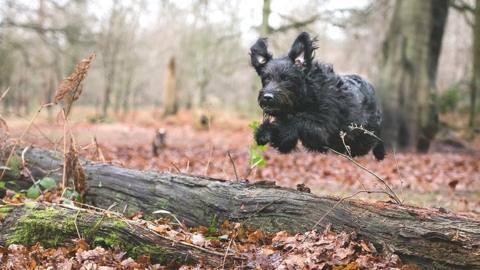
[(445, 177)]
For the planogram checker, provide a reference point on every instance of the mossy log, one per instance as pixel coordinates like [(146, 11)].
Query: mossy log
[(430, 238), (54, 225)]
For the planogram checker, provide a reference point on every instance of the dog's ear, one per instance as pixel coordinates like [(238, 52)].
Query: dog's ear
[(259, 55), (303, 51)]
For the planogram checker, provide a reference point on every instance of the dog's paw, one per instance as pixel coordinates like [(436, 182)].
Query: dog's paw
[(263, 135)]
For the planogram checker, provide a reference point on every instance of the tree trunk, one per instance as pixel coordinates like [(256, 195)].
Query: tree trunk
[(265, 28), (406, 81), (476, 67), (170, 90), (53, 225), (430, 238)]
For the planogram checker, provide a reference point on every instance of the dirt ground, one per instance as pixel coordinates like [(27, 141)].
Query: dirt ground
[(450, 180)]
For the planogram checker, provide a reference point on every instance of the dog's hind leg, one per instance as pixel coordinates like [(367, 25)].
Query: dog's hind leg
[(379, 151)]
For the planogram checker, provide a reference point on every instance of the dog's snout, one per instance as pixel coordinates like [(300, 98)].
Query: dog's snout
[(268, 96)]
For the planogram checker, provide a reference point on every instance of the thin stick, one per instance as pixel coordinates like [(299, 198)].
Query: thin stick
[(398, 171), (23, 135), (343, 199), (24, 165), (208, 162), (233, 164), (234, 234), (333, 208), (4, 93), (390, 192), (76, 226), (342, 135), (64, 174), (175, 165)]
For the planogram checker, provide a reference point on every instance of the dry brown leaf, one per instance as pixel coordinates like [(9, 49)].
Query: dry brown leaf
[(70, 88), (74, 170), (81, 244)]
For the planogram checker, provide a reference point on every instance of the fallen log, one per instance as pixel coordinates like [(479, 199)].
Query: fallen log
[(430, 238), (54, 225)]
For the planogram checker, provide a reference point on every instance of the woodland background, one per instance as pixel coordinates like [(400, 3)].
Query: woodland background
[(420, 56), (171, 89)]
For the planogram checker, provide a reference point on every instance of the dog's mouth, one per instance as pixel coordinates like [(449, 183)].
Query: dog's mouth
[(269, 110)]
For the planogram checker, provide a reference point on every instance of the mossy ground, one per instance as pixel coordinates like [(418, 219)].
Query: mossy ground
[(52, 227)]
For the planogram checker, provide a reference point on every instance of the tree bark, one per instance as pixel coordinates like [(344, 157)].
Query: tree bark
[(429, 238), (265, 28), (53, 225), (476, 68), (170, 90), (406, 81)]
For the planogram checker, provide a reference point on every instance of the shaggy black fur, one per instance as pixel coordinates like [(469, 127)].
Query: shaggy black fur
[(307, 101)]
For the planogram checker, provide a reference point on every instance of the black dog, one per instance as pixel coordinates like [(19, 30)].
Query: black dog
[(309, 102)]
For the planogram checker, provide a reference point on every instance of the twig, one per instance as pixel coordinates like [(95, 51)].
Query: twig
[(76, 226), (233, 164), (208, 161), (398, 171), (342, 136), (234, 234), (162, 211), (343, 199), (4, 93), (390, 192), (64, 174), (354, 126), (24, 165), (347, 147), (333, 208), (23, 135), (97, 225), (175, 165)]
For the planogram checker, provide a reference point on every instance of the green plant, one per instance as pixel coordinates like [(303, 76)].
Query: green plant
[(47, 183), (255, 151), (448, 100), (71, 195), (213, 229)]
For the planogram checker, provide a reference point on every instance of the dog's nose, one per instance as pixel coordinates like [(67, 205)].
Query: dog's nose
[(268, 97)]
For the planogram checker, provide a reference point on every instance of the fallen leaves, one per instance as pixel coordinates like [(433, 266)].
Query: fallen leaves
[(78, 256)]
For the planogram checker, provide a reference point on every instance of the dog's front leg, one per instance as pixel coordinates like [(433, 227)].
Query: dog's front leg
[(263, 134), (313, 133), (280, 133), (284, 136)]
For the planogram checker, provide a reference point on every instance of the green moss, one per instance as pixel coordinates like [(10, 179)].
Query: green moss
[(50, 227), (161, 203), (5, 210), (157, 253), (44, 226), (114, 240), (109, 240), (14, 165), (118, 223)]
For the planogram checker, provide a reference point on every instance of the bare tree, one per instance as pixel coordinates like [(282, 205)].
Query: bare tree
[(170, 90), (476, 68), (408, 69)]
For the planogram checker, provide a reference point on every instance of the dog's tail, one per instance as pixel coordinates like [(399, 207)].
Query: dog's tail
[(379, 151)]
